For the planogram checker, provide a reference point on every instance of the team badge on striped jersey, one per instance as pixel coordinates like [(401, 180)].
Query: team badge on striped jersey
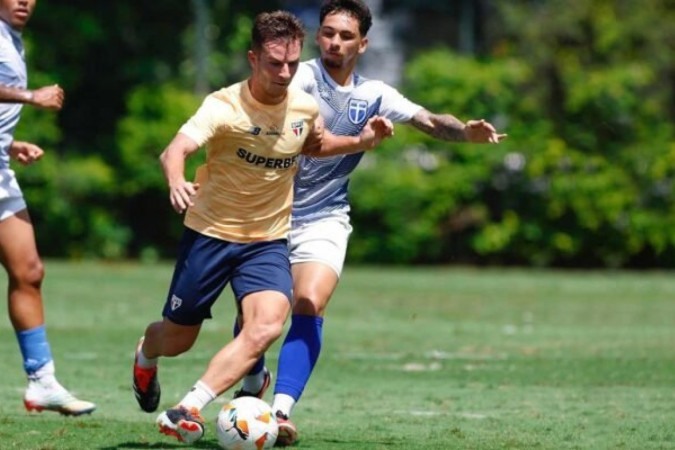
[(357, 110)]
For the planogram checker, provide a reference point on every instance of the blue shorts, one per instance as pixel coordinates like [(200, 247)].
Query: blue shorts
[(206, 265)]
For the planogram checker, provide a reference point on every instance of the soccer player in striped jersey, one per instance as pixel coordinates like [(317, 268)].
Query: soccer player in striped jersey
[(237, 219), (321, 227), (18, 250)]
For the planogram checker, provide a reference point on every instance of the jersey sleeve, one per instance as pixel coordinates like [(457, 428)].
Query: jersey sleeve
[(395, 106), (212, 117)]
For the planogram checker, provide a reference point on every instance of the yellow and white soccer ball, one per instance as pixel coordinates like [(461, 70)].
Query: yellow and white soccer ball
[(246, 423)]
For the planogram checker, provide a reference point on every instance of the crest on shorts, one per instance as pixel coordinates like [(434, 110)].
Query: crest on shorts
[(357, 111), (297, 127), (175, 302)]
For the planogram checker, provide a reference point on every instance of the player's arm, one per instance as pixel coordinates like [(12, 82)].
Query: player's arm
[(48, 97), (322, 142), (449, 128), (173, 159), (25, 152)]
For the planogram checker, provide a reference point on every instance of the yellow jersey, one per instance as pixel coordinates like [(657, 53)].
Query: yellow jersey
[(246, 184)]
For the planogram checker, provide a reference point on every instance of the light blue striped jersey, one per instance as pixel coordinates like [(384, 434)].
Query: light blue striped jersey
[(321, 184), (12, 74)]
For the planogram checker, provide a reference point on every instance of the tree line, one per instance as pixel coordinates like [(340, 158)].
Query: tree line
[(585, 89)]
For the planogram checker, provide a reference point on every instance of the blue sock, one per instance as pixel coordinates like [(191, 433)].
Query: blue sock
[(299, 354), (260, 363), (34, 348)]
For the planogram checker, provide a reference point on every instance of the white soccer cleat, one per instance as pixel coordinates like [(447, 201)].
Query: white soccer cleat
[(183, 424), (55, 399), (288, 433)]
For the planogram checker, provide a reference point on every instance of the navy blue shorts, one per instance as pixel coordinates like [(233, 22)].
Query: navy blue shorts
[(206, 265)]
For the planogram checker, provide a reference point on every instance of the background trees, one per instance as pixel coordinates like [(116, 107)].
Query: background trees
[(585, 90)]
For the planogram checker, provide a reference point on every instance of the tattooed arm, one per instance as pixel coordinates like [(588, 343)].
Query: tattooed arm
[(449, 128)]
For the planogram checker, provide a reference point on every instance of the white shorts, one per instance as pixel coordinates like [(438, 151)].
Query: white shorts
[(11, 197), (323, 241)]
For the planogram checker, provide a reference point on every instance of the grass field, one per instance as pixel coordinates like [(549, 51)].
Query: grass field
[(422, 358)]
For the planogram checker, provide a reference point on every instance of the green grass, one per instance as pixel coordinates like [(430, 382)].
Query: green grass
[(422, 358)]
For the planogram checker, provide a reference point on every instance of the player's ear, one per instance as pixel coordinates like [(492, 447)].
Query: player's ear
[(252, 58), (363, 46)]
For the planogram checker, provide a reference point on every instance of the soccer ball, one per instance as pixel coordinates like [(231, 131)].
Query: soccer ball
[(246, 423)]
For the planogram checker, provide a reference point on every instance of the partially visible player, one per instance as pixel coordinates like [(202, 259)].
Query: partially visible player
[(18, 250), (238, 218), (321, 226)]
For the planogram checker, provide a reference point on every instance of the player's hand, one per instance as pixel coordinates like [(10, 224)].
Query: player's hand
[(376, 129), (482, 132), (48, 97), (25, 152), (181, 194)]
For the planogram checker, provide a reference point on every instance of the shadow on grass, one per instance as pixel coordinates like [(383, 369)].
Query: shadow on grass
[(356, 443), (206, 443)]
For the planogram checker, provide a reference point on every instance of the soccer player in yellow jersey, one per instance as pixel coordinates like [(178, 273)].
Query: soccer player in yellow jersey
[(237, 218)]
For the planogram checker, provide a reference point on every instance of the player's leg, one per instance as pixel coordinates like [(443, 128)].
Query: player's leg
[(262, 284), (317, 256), (19, 257), (179, 329), (200, 274), (264, 315), (162, 338), (256, 382), (265, 269)]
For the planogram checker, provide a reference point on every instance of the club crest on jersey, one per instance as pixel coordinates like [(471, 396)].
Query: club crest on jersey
[(297, 127), (357, 111), (175, 302)]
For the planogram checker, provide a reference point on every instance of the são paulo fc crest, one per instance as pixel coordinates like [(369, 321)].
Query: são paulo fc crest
[(357, 111), (297, 127), (175, 302)]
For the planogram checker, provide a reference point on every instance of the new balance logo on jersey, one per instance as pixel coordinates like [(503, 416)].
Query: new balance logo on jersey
[(357, 111), (254, 131), (175, 302), (268, 163)]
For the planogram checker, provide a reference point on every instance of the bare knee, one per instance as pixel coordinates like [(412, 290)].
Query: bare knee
[(262, 335), (310, 303), (29, 275)]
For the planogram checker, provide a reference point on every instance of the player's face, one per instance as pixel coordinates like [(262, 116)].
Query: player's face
[(16, 12), (273, 68), (340, 41)]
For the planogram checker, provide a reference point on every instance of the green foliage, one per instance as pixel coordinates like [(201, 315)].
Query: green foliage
[(56, 189), (155, 113), (586, 175), (584, 89)]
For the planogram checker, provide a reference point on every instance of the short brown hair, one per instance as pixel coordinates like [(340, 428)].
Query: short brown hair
[(276, 25)]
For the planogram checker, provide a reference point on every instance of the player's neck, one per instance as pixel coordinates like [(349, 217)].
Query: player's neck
[(342, 76)]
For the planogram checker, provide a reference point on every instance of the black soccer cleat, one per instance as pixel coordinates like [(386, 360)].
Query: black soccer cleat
[(146, 385), (266, 383)]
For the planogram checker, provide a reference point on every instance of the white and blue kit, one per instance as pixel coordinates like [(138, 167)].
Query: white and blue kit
[(320, 221), (13, 74), (320, 226)]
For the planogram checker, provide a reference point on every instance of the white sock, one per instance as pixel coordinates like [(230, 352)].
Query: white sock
[(145, 362), (283, 403), (44, 374), (253, 383), (43, 382), (44, 377), (199, 396)]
